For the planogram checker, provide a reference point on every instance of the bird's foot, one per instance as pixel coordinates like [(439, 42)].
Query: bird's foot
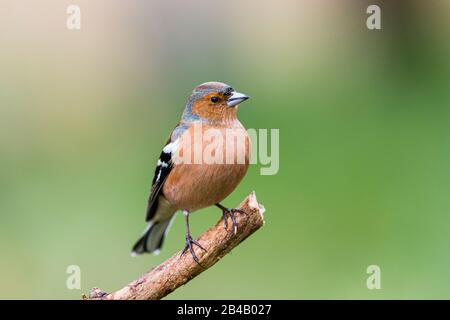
[(230, 213), (190, 246)]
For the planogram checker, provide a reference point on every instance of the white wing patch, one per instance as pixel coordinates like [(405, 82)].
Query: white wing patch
[(171, 147), (162, 163)]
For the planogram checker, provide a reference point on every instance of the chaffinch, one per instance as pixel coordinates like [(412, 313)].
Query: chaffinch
[(199, 165)]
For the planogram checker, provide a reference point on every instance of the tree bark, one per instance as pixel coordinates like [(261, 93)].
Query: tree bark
[(181, 268)]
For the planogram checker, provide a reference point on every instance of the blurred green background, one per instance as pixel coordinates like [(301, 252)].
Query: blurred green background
[(364, 142)]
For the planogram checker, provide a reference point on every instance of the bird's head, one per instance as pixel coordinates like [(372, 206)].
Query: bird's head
[(214, 101)]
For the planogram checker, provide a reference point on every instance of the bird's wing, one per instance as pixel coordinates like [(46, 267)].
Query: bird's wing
[(163, 168)]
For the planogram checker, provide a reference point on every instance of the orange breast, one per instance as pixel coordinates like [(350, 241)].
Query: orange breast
[(207, 170)]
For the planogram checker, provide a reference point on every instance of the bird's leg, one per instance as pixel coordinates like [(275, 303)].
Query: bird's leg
[(229, 213), (189, 241)]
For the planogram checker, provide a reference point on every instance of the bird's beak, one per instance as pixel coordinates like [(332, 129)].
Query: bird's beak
[(236, 98)]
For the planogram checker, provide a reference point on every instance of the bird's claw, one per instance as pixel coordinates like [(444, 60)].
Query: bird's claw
[(230, 213), (189, 246)]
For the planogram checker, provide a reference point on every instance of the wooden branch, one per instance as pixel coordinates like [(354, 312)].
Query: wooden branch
[(179, 269)]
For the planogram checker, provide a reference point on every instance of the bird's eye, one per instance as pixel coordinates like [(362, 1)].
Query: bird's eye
[(214, 99)]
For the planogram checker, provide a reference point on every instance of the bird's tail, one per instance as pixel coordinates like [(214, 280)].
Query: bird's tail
[(152, 239)]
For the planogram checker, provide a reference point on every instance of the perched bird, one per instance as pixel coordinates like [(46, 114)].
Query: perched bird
[(199, 165)]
